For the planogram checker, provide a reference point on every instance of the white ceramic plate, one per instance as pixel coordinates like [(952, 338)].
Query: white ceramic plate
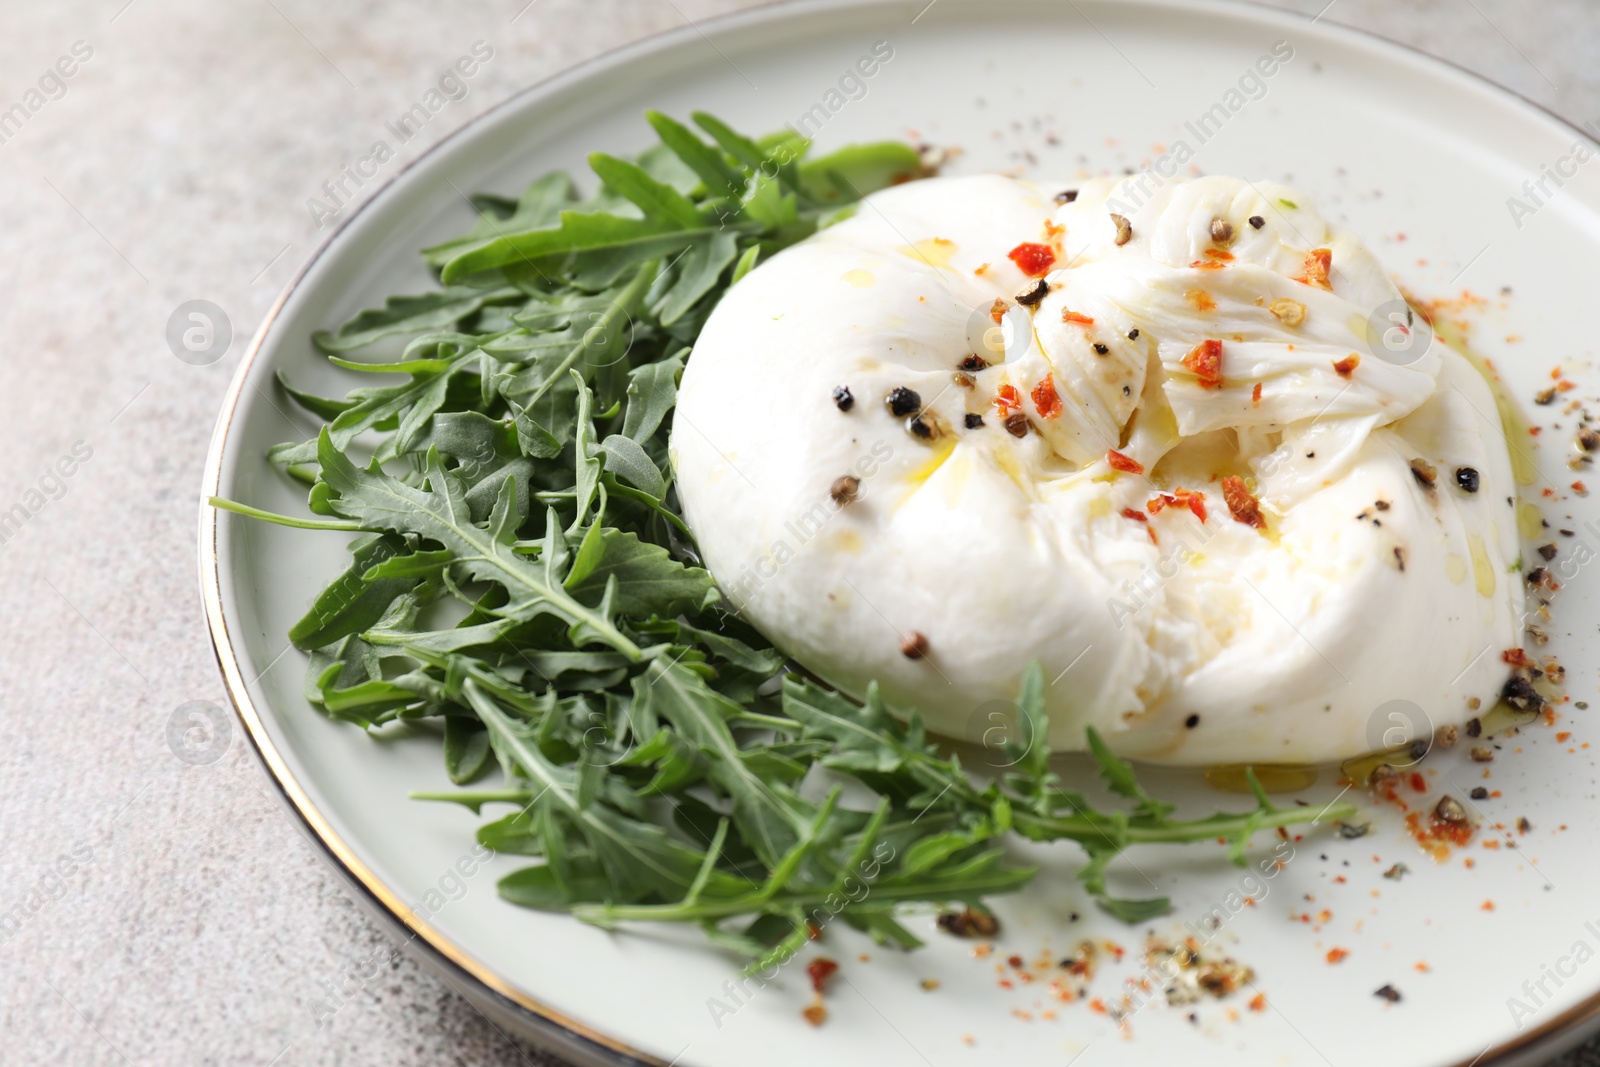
[(1388, 142)]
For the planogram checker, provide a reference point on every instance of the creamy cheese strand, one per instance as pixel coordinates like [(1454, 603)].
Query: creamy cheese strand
[(1181, 633)]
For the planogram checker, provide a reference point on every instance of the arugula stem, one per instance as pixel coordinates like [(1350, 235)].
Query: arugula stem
[(344, 525), (755, 719), (803, 899), (477, 797), (1098, 829)]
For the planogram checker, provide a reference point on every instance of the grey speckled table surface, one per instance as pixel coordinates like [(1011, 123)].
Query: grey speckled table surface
[(175, 163)]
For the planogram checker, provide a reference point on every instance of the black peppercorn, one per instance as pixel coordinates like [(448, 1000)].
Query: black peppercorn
[(974, 363), (1467, 479), (1033, 292), (1520, 694), (1100, 349), (1066, 196), (1192, 721), (1257, 221), (842, 398), (1133, 334), (973, 421), (903, 401)]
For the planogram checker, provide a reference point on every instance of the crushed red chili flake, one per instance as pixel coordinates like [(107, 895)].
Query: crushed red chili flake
[(1135, 515), (1447, 824), (1194, 501), (820, 970), (1335, 955), (1418, 782), (1032, 259), (1516, 657), (997, 311), (1255, 395), (1204, 361), (1046, 399), (1347, 366), (1077, 319), (1243, 506), (1119, 462), (1206, 264), (1319, 261), (815, 1014)]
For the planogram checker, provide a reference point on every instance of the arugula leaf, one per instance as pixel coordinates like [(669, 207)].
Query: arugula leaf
[(647, 578), (850, 173), (652, 391), (1119, 776), (713, 170), (440, 514), (539, 205), (639, 860), (577, 232), (698, 271), (657, 200), (466, 749), (408, 314), (358, 598), (626, 458)]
